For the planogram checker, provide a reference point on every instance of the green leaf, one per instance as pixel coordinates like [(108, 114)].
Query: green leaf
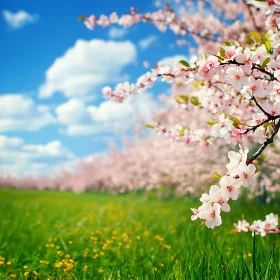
[(211, 123), (82, 18), (256, 35), (228, 44), (222, 52), (195, 101), (266, 125), (184, 97), (185, 63), (196, 85), (178, 101), (249, 41), (267, 43), (265, 62), (217, 176), (268, 46), (235, 121), (149, 126)]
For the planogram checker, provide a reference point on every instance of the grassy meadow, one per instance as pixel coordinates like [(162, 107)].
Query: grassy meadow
[(53, 235)]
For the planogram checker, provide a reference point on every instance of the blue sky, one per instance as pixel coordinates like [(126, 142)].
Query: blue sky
[(52, 112)]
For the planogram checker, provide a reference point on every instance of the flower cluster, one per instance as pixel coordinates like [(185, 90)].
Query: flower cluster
[(239, 174), (269, 225), (179, 133), (207, 22)]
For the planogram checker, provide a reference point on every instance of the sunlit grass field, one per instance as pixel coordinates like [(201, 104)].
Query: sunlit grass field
[(52, 235)]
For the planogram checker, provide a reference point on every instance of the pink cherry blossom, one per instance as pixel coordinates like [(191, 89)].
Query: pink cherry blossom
[(222, 128), (242, 226), (254, 88), (195, 214), (217, 196), (235, 77), (90, 22), (246, 173), (230, 187), (206, 70), (211, 214)]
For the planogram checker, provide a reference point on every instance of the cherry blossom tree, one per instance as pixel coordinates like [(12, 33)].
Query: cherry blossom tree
[(238, 86)]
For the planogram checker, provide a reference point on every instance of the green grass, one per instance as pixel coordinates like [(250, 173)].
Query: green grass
[(98, 236)]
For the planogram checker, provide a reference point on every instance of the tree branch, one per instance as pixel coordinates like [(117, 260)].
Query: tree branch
[(270, 117), (265, 144)]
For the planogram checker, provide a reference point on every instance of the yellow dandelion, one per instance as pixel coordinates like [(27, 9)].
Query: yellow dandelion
[(58, 264), (9, 263), (26, 273), (100, 270), (1, 262), (25, 267)]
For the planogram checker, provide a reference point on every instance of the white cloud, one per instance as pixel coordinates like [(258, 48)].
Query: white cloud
[(87, 66), (172, 59), (147, 42), (73, 112), (52, 149), (109, 116), (19, 19), (18, 112), (18, 158), (116, 33)]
